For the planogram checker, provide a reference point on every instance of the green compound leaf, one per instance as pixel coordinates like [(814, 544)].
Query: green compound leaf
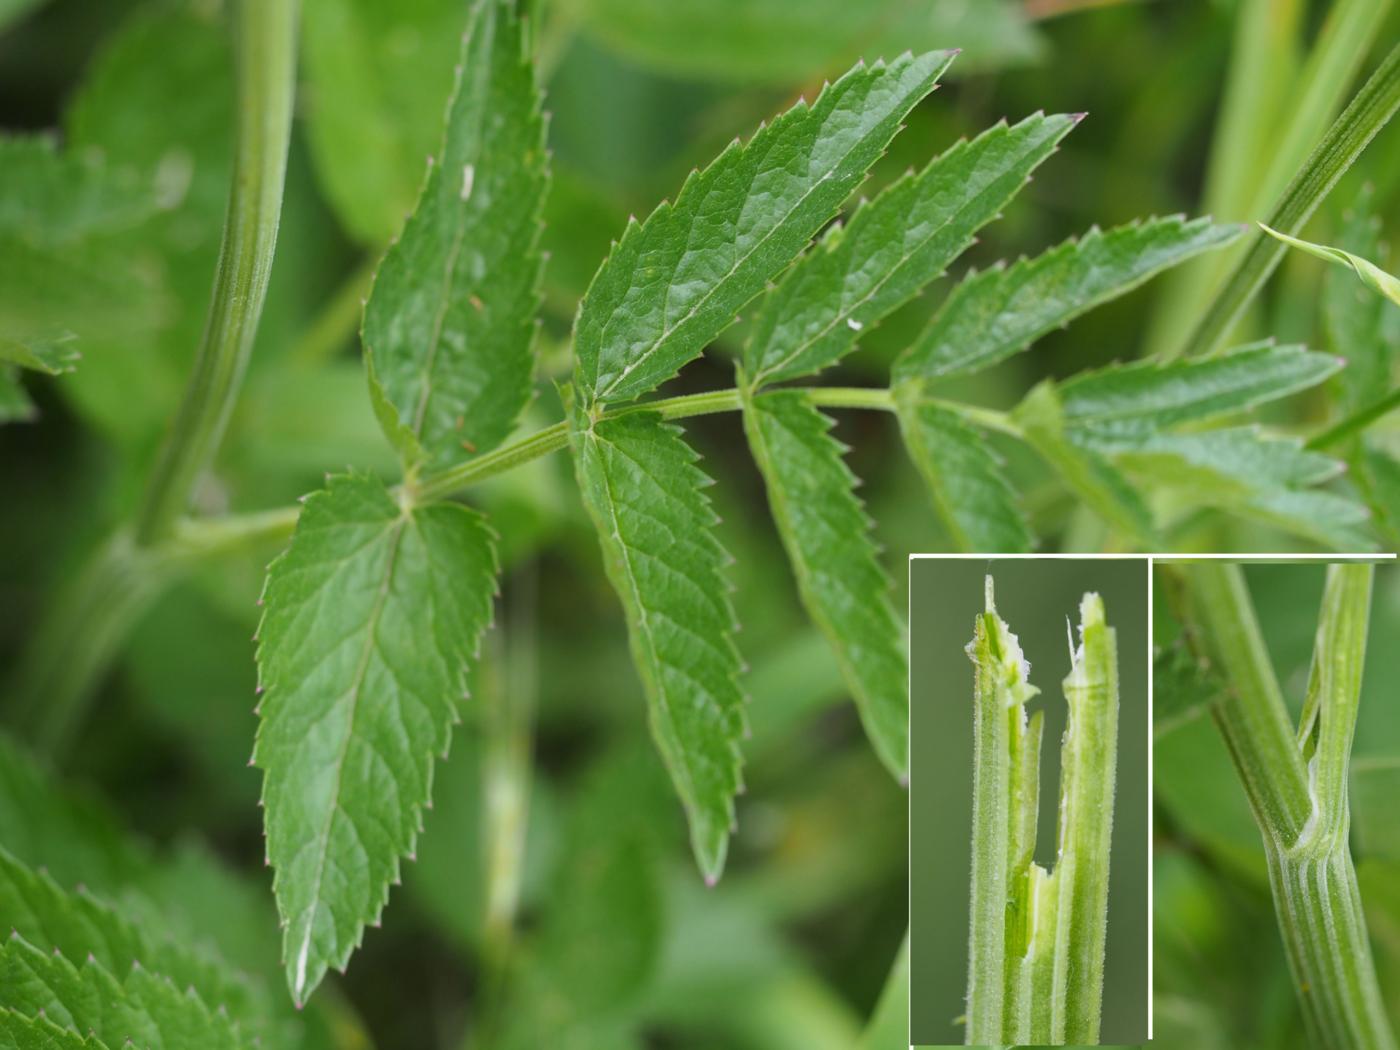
[(645, 495), (451, 317), (976, 502), (371, 618), (826, 533), (999, 312), (676, 280), (376, 78), (1244, 472), (892, 247), (139, 1009), (784, 43), (77, 926), (1096, 481), (1148, 395), (1371, 275)]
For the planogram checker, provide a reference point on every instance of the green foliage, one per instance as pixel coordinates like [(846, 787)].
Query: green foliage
[(677, 279), (1249, 474), (50, 924), (141, 1009), (644, 492), (371, 618), (972, 494), (450, 320), (1371, 275), (891, 248), (771, 41), (62, 213), (158, 101), (1090, 475), (377, 77), (1362, 327), (1149, 395), (1001, 311), (827, 535)]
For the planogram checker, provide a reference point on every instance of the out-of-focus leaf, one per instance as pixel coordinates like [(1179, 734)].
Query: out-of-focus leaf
[(602, 935), (377, 78), (451, 316), (891, 248), (1182, 688), (15, 405), (1371, 275), (977, 504), (1244, 472), (157, 99), (889, 1025), (371, 618), (51, 355), (602, 926), (1361, 326), (1194, 779), (646, 497), (185, 892), (999, 312), (777, 41), (677, 279), (1375, 785), (1092, 477), (1377, 476), (74, 840), (1148, 395), (62, 275), (54, 196), (826, 532), (14, 10)]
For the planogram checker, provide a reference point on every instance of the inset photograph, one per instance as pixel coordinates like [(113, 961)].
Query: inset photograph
[(1276, 856), (1028, 811)]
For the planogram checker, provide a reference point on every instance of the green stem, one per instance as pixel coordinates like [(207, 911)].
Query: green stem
[(1036, 949), (1368, 112), (1287, 778), (1000, 828), (79, 637), (1088, 765), (81, 634), (265, 50), (1356, 422), (1252, 717)]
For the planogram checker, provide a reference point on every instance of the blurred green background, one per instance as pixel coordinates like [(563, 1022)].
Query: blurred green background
[(617, 944), (1034, 596), (1221, 978)]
